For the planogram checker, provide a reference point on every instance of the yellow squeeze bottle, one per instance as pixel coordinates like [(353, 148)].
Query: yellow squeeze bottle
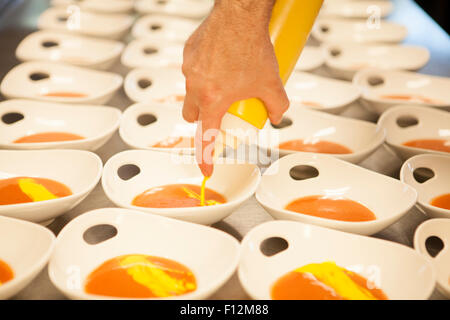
[(290, 25)]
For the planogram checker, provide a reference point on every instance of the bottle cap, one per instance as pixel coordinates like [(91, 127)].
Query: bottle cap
[(251, 110)]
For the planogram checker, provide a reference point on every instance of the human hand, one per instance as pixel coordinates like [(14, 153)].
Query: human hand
[(230, 58)]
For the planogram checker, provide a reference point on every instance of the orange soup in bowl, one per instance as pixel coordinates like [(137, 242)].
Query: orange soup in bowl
[(321, 146), (442, 201), (410, 97), (331, 208), (49, 137), (29, 189), (177, 196), (65, 94), (6, 273), (140, 276), (430, 144), (324, 281)]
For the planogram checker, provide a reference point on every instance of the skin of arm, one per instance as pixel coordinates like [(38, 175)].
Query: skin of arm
[(229, 58)]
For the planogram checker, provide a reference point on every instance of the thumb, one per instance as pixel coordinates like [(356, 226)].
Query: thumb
[(276, 102)]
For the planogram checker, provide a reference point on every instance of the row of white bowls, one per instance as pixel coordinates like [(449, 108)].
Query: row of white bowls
[(159, 28), (173, 26), (213, 256), (130, 173), (343, 59), (199, 8), (194, 9), (73, 259), (372, 86), (77, 19), (144, 124), (161, 84)]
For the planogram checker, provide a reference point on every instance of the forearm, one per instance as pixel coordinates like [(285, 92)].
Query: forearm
[(257, 10)]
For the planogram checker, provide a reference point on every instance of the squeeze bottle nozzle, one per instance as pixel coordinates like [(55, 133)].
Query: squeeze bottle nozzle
[(290, 25)]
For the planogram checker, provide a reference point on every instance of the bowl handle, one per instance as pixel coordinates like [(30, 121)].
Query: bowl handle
[(123, 171), (84, 227), (406, 120), (9, 118), (136, 84), (428, 229), (275, 241), (408, 169), (369, 79)]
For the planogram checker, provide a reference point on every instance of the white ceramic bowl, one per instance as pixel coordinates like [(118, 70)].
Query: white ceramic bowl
[(169, 122), (163, 28), (389, 199), (303, 88), (79, 170), (211, 254), (74, 20), (77, 50), (437, 185), (362, 137), (101, 6), (148, 53), (376, 83), (96, 124), (98, 86), (182, 8), (236, 182), (26, 247), (341, 30), (398, 270), (343, 60), (356, 9), (310, 59), (436, 228), (155, 85), (409, 122)]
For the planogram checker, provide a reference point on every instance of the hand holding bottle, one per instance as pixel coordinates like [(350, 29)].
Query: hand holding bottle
[(229, 58)]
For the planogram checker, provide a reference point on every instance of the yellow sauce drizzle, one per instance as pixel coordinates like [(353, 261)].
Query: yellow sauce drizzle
[(154, 278), (336, 277), (35, 191), (194, 195), (202, 191)]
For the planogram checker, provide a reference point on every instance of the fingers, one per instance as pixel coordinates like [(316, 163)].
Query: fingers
[(276, 102), (207, 132), (190, 108)]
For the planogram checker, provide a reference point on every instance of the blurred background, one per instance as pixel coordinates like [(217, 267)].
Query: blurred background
[(439, 10)]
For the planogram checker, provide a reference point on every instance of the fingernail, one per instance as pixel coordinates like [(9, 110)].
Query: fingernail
[(206, 170), (276, 121)]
